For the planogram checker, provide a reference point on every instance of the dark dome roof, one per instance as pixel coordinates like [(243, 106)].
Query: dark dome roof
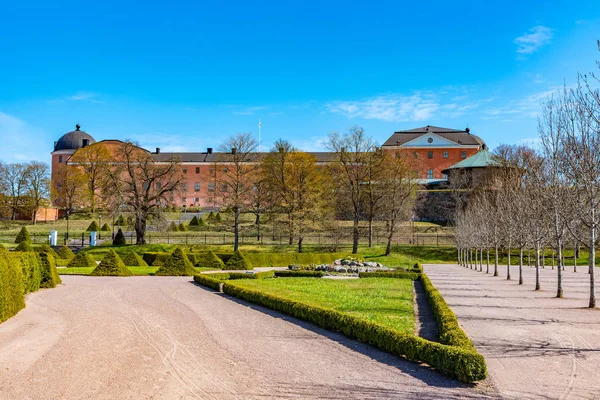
[(73, 140)]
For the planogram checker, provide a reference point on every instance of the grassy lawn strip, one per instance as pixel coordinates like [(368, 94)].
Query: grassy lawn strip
[(141, 271), (385, 301)]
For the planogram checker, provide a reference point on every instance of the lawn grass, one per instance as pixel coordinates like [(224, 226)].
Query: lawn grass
[(386, 301), (140, 271)]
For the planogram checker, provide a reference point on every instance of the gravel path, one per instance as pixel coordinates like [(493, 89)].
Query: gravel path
[(167, 338), (536, 346)]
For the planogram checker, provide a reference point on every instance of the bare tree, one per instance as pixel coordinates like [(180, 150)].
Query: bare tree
[(95, 162), (237, 178), (373, 193), (14, 181), (37, 186), (68, 188)]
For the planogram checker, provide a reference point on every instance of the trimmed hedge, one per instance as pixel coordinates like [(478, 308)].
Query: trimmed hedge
[(209, 281), (50, 277), (177, 265), (299, 274), (413, 276), (209, 260), (24, 246), (462, 363), (133, 259), (11, 287), (173, 227), (256, 275), (93, 227), (119, 239), (237, 261), (195, 221), (156, 259), (105, 228), (285, 259), (82, 260), (45, 248), (111, 265), (120, 221), (65, 253), (30, 270), (218, 275), (23, 236)]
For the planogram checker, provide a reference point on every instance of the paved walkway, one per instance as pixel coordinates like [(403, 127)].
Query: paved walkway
[(536, 346), (167, 338)]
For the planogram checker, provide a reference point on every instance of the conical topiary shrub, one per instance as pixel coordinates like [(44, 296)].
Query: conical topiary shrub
[(237, 261), (210, 260), (111, 265), (82, 260), (105, 228), (93, 227), (119, 239), (218, 218), (182, 227), (173, 227), (23, 236), (211, 217), (201, 222), (195, 221), (65, 253), (133, 259), (45, 248), (50, 277), (24, 246), (177, 264), (120, 221)]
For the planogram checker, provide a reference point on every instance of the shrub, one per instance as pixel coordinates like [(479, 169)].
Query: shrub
[(155, 259), (195, 221), (270, 259), (209, 260), (182, 227), (82, 260), (173, 227), (111, 265), (50, 277), (209, 281), (133, 259), (24, 246), (30, 270), (65, 253), (237, 261), (417, 267), (105, 228), (201, 222), (177, 265), (218, 218), (211, 217), (413, 276), (45, 248), (299, 274), (218, 275), (119, 239), (23, 236), (93, 227), (120, 221), (11, 287), (465, 364)]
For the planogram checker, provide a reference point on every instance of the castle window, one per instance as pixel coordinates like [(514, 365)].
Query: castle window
[(445, 154), (430, 154), (429, 174), (463, 154), (211, 187), (59, 159), (185, 170), (197, 186), (197, 170)]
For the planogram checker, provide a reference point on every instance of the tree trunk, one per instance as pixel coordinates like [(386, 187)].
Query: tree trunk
[(236, 228), (355, 234), (300, 240), (496, 262), (291, 228), (258, 227), (537, 266), (520, 266), (508, 265), (388, 247), (370, 231), (575, 251), (480, 260), (559, 288), (140, 227), (592, 268), (487, 251), (475, 266)]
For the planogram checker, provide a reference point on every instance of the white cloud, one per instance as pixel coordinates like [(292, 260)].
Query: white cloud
[(532, 41), (83, 96), (249, 110), (391, 108), (314, 143)]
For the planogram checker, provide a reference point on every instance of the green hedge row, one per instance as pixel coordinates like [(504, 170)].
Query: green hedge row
[(241, 275), (413, 276), (462, 363), (209, 280), (299, 274)]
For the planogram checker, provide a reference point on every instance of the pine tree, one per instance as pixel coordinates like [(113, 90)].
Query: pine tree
[(119, 239)]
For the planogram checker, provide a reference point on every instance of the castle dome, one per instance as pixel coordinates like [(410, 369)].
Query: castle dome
[(74, 140)]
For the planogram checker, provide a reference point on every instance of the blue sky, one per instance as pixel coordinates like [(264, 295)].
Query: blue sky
[(184, 75)]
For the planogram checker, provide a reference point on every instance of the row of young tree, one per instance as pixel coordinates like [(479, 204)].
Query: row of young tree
[(547, 197), (24, 188), (358, 181)]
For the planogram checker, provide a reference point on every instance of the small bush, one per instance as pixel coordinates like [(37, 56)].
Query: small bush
[(417, 267), (209, 260), (30, 270), (237, 261), (82, 260), (45, 248), (201, 222), (173, 227), (111, 265), (195, 221), (120, 221), (210, 218), (177, 265), (209, 281), (182, 227), (218, 275), (105, 228), (119, 239), (50, 277), (24, 246), (218, 218), (23, 236), (11, 287), (299, 274), (65, 253), (413, 276), (93, 227), (133, 259)]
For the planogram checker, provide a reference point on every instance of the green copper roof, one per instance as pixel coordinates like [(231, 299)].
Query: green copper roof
[(483, 158)]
